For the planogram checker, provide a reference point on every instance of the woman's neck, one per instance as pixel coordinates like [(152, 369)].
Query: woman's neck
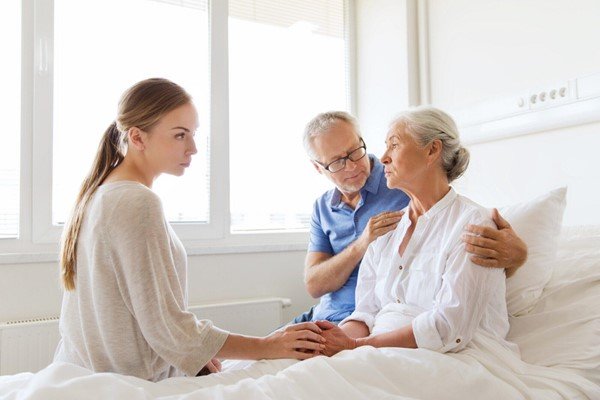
[(130, 170), (425, 196)]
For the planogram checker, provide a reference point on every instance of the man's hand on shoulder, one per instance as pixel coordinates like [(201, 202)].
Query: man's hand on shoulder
[(500, 248), (379, 225), (326, 273)]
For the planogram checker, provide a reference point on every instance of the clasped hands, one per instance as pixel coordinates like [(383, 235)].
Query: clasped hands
[(333, 339), (300, 341), (336, 339)]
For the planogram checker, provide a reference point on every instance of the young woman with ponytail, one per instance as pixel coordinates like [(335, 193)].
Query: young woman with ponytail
[(123, 268)]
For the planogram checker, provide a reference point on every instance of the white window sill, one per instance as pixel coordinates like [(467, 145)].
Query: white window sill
[(195, 249)]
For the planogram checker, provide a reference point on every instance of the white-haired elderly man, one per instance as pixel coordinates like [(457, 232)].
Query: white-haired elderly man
[(359, 209)]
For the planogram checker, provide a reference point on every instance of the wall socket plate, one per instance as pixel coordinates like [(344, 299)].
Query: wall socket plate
[(555, 105), (550, 95)]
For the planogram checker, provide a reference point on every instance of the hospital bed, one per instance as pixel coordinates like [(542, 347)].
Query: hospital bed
[(558, 335)]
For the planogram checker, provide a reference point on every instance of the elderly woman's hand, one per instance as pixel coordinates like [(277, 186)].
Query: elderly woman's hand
[(500, 248), (336, 339)]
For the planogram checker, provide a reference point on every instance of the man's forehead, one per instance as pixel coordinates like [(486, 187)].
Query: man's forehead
[(334, 144)]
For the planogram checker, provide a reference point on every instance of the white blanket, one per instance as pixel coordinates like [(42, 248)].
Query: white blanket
[(561, 336), (485, 370)]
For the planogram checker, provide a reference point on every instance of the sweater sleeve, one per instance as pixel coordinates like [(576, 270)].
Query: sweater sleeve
[(144, 262)]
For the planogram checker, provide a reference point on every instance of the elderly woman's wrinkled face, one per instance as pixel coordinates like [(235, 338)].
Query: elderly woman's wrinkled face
[(405, 161)]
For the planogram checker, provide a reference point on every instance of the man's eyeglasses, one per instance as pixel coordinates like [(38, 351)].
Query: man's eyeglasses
[(340, 163)]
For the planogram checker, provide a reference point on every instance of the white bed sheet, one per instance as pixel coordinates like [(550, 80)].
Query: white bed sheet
[(561, 336), (563, 329), (483, 372)]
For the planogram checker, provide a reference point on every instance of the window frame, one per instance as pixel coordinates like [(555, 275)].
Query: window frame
[(38, 237)]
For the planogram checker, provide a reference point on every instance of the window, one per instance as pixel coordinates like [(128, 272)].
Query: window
[(258, 71), (10, 104), (101, 49), (287, 62)]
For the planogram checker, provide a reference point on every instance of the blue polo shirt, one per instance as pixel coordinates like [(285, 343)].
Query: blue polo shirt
[(334, 225)]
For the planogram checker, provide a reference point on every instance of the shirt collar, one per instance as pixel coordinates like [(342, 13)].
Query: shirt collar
[(441, 204), (336, 198), (371, 185)]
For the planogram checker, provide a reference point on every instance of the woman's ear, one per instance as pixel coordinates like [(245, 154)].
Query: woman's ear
[(136, 138), (435, 150)]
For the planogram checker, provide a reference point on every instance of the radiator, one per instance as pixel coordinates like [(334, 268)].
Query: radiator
[(28, 346), (256, 317)]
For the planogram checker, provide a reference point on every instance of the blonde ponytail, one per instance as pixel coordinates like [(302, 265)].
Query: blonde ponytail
[(109, 155)]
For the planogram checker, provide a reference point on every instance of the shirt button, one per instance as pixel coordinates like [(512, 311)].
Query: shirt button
[(400, 268), (457, 340)]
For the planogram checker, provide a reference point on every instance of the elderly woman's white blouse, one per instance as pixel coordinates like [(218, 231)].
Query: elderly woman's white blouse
[(433, 285)]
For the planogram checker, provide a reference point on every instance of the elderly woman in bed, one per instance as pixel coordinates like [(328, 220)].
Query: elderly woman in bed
[(417, 286)]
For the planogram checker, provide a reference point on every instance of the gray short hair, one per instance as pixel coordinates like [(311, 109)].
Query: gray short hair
[(426, 124), (322, 122)]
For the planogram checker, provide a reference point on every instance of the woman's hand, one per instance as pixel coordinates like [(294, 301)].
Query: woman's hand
[(299, 341), (336, 339), (213, 366)]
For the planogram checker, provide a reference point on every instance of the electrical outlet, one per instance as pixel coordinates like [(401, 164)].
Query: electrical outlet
[(551, 95)]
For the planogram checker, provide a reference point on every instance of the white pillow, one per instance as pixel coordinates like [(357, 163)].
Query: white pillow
[(538, 222), (579, 239)]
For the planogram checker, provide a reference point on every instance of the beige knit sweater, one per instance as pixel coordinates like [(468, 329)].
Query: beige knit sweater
[(128, 311)]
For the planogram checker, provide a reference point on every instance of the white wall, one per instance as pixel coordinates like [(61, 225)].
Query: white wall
[(382, 67), (485, 48), (32, 290), (479, 50), (513, 170)]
